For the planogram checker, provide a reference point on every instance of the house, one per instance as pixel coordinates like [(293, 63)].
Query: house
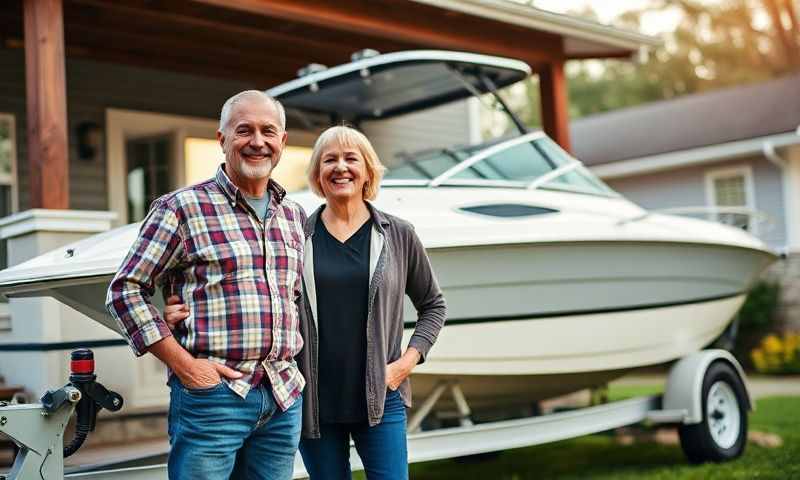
[(736, 147), (105, 105)]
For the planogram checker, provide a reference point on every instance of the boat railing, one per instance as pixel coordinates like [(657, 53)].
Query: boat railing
[(754, 221), (553, 174)]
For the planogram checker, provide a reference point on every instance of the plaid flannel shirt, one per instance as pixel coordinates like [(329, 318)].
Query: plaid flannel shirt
[(241, 278)]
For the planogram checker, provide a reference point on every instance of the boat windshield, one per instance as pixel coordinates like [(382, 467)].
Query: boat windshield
[(530, 161)]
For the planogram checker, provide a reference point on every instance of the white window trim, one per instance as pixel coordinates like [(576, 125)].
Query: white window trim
[(745, 171), (12, 178), (122, 125)]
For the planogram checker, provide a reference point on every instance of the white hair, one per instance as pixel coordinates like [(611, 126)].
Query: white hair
[(225, 114)]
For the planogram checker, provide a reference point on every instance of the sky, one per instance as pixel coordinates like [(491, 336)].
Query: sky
[(608, 10)]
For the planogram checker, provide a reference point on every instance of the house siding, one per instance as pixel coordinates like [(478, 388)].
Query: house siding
[(443, 126), (92, 87), (685, 187)]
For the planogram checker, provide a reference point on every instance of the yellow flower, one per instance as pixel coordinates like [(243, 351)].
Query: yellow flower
[(757, 355), (791, 345), (774, 362), (772, 344), (791, 341)]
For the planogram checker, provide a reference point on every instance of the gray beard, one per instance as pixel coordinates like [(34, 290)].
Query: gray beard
[(256, 172)]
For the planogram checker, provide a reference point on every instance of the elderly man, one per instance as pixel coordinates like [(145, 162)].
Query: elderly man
[(231, 249)]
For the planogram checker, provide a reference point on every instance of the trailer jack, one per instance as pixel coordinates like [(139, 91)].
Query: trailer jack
[(38, 429)]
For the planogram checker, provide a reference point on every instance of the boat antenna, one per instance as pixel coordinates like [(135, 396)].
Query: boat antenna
[(492, 88)]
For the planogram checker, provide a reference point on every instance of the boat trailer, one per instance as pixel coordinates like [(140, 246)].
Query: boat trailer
[(705, 397), (38, 429)]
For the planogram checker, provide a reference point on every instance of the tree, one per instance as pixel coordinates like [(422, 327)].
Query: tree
[(725, 43), (715, 45)]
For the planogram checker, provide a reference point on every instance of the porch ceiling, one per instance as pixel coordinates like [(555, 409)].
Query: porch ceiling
[(266, 42)]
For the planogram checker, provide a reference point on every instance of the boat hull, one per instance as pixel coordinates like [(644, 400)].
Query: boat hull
[(526, 360), (484, 283), (537, 306)]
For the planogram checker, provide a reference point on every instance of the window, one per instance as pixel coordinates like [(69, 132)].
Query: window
[(508, 210), (732, 188), (8, 164), (203, 156), (8, 189), (150, 154), (148, 172)]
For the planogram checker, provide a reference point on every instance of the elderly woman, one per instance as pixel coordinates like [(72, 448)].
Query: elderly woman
[(359, 261)]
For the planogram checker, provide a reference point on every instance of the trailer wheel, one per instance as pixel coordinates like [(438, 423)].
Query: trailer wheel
[(722, 434)]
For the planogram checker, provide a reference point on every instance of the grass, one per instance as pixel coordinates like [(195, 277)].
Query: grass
[(600, 457), (621, 392)]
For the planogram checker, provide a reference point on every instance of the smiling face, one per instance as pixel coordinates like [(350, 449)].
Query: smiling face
[(342, 172), (252, 141), (344, 165)]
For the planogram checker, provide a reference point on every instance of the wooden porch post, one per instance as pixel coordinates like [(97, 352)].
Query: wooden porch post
[(555, 105), (48, 154)]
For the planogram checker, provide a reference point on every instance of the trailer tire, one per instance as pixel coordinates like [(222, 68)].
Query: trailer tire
[(722, 434)]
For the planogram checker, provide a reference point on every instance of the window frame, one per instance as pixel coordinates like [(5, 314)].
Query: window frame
[(12, 178), (744, 171)]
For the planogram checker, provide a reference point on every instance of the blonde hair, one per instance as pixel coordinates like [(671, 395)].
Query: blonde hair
[(346, 136)]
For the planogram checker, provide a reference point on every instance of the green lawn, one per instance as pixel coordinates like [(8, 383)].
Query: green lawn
[(600, 457), (621, 392)]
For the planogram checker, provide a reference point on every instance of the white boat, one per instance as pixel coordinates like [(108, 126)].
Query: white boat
[(553, 281)]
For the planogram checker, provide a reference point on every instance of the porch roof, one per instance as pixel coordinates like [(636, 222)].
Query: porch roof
[(582, 38), (266, 42)]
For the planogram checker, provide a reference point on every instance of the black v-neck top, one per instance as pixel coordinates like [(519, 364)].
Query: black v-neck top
[(341, 279)]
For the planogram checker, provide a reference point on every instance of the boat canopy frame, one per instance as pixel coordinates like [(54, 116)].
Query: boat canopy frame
[(369, 87)]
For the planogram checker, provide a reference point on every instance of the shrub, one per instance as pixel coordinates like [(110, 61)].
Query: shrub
[(755, 319), (758, 312), (778, 354)]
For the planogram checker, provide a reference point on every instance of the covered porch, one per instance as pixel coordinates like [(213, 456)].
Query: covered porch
[(243, 44)]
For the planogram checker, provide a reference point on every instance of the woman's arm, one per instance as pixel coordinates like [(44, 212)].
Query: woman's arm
[(424, 292)]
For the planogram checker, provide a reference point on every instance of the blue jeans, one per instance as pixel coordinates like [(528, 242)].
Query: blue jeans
[(382, 448), (214, 434)]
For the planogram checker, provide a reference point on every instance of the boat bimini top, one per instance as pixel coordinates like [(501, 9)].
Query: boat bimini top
[(380, 86), (376, 86)]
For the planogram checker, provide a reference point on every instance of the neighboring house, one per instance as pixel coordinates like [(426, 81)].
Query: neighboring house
[(106, 105), (735, 147)]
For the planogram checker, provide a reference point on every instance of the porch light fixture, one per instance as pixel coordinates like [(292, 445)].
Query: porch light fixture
[(90, 140)]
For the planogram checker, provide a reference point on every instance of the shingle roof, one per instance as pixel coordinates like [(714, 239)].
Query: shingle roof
[(691, 121)]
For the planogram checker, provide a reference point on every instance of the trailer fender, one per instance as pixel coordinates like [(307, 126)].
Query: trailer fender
[(684, 386)]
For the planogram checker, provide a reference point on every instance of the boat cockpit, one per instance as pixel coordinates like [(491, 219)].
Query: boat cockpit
[(378, 87)]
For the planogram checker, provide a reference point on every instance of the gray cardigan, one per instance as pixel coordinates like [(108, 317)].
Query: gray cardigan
[(398, 264)]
